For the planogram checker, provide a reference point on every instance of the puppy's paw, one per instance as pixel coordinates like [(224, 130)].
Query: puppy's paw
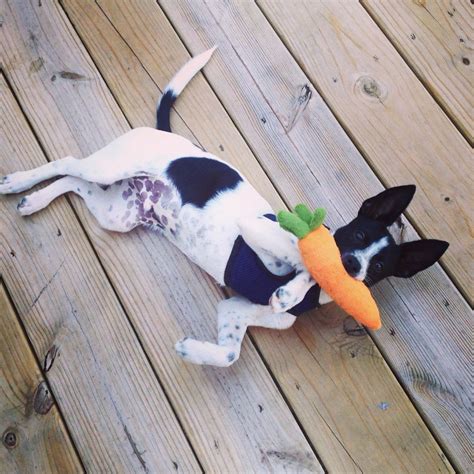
[(180, 347), (26, 207), (5, 185), (15, 182), (282, 300)]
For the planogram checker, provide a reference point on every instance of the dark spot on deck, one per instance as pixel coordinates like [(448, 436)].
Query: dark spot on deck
[(53, 77), (36, 65), (175, 465), (71, 76), (89, 192), (297, 386), (298, 106), (392, 332), (10, 438), (42, 399), (49, 358), (447, 199), (221, 148), (466, 61), (352, 328), (301, 460), (264, 120), (413, 36), (58, 233), (12, 253), (260, 408)]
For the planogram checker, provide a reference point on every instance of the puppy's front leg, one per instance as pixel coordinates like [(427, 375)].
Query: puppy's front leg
[(266, 237), (289, 295)]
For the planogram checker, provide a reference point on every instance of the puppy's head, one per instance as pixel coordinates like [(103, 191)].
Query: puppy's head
[(369, 251)]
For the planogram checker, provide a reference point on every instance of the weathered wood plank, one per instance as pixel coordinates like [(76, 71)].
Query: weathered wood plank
[(236, 419), (436, 39), (390, 116), (335, 406), (97, 369), (34, 438), (310, 159)]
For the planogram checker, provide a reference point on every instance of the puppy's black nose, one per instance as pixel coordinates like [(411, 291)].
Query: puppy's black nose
[(351, 264)]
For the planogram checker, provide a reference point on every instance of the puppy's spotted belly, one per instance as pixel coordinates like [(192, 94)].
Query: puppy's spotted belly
[(151, 201)]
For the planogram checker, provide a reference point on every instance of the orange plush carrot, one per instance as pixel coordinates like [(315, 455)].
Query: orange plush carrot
[(322, 258)]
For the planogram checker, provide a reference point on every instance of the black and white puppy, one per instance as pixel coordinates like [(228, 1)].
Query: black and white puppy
[(160, 180)]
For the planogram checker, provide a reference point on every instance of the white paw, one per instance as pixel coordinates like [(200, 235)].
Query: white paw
[(282, 300), (204, 353), (5, 185), (29, 205), (14, 183)]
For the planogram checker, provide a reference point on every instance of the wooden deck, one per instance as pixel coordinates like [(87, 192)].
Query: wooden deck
[(89, 378)]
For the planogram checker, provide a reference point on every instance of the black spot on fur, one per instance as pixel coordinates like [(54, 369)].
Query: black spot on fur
[(231, 356), (198, 180)]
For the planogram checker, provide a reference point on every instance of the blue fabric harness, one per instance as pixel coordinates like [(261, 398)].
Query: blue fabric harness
[(246, 274)]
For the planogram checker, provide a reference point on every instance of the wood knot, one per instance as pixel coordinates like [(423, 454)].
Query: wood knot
[(42, 399), (10, 438), (298, 105), (370, 88)]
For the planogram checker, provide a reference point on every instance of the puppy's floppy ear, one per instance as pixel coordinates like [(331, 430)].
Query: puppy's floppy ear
[(418, 255), (388, 205)]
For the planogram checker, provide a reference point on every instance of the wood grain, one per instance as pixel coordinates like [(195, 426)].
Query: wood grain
[(34, 438), (312, 160), (98, 371), (436, 38), (236, 419), (334, 408), (403, 133)]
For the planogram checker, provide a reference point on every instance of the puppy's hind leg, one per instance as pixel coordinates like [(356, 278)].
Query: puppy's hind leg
[(112, 206), (233, 317)]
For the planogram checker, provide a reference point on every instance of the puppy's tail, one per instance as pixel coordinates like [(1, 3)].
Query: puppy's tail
[(176, 86)]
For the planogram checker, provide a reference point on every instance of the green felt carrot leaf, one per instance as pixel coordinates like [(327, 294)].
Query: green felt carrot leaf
[(317, 218), (304, 213), (293, 223), (302, 221)]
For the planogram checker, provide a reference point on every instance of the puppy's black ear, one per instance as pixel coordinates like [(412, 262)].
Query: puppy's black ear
[(389, 204), (418, 255)]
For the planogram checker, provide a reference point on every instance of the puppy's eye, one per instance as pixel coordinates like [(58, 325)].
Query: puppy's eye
[(359, 235), (378, 267)]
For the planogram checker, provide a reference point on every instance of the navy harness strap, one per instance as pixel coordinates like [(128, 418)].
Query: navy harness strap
[(246, 274)]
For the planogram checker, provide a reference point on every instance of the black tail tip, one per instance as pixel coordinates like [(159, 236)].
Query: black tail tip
[(164, 109)]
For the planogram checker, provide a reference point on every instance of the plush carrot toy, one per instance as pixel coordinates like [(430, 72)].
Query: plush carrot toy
[(322, 258)]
